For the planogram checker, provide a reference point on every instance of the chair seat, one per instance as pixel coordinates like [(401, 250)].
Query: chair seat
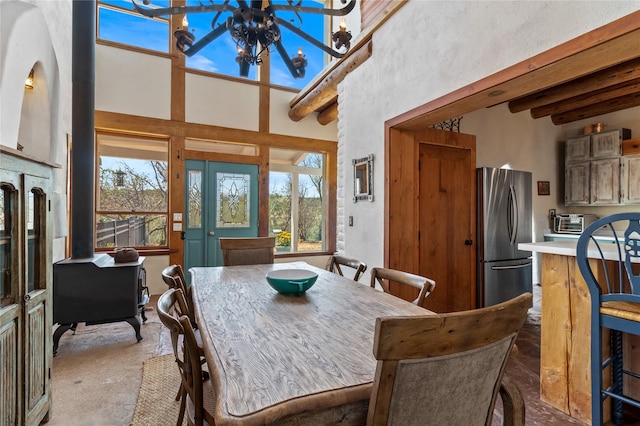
[(625, 310)]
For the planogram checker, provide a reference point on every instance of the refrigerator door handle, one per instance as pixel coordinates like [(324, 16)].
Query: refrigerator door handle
[(524, 265), (513, 215)]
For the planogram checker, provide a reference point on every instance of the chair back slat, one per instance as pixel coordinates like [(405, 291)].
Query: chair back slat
[(336, 262), (385, 276)]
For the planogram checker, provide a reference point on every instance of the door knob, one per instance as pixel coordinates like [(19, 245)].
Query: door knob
[(468, 242), (211, 233)]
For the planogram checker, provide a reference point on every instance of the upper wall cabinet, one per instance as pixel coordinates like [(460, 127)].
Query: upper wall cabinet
[(594, 169)]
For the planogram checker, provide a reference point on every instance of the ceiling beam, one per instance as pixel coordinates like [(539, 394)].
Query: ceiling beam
[(587, 99), (606, 78), (624, 102), (328, 114), (326, 91)]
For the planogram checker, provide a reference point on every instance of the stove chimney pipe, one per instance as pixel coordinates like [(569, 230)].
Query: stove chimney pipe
[(82, 126)]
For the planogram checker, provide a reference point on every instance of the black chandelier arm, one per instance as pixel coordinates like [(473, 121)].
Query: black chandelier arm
[(176, 10), (287, 61), (217, 32), (315, 10), (308, 38)]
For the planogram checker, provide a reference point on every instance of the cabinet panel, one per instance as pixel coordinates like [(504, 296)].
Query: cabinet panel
[(605, 181), (576, 191), (608, 144), (631, 179), (577, 149)]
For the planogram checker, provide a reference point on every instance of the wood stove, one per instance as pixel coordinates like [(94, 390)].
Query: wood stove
[(98, 290)]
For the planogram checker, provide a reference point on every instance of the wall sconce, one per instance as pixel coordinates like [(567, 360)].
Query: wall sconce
[(28, 83)]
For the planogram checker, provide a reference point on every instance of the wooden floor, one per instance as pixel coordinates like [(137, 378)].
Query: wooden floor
[(89, 368)]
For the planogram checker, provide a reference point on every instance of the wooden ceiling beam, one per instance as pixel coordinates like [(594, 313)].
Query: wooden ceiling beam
[(326, 91), (606, 78), (623, 102), (587, 99), (328, 114)]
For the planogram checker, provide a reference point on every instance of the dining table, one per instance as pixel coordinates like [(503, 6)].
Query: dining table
[(304, 359)]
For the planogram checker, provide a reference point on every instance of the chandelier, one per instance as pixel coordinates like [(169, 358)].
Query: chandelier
[(254, 27)]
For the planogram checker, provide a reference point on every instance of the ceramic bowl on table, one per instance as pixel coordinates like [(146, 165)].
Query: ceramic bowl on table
[(291, 281)]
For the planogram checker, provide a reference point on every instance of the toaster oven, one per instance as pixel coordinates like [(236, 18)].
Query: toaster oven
[(573, 223)]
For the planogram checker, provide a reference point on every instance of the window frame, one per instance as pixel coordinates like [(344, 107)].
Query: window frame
[(144, 213), (295, 172)]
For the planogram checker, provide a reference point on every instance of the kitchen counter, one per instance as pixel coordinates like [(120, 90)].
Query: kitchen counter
[(568, 248), (565, 328)]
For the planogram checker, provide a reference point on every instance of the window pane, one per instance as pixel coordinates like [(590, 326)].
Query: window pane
[(280, 209), (7, 243), (131, 230), (132, 28), (312, 24), (194, 215), (36, 219), (219, 55), (128, 184), (310, 213), (232, 193)]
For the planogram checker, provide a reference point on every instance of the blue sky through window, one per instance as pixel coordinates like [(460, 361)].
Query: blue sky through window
[(219, 55)]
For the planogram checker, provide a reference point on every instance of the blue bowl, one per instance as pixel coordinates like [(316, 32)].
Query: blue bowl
[(291, 281)]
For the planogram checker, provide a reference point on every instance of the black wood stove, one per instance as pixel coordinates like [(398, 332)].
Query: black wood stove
[(97, 291)]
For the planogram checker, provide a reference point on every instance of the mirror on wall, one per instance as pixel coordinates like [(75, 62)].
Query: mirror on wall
[(363, 179)]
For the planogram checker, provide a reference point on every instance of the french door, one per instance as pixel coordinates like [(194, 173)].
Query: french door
[(221, 200)]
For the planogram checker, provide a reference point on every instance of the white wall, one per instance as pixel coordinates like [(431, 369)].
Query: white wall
[(452, 44), (37, 34)]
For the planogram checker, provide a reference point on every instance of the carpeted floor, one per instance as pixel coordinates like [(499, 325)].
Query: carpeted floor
[(156, 401)]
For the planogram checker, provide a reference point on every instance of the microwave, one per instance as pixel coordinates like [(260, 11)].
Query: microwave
[(573, 223)]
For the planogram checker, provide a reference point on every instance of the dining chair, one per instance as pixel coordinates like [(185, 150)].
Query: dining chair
[(337, 262), (196, 395), (247, 251), (384, 276), (447, 369), (173, 276), (612, 274)]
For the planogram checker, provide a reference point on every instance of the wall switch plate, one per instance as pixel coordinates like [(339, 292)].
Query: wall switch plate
[(350, 220), (177, 217), (177, 226)]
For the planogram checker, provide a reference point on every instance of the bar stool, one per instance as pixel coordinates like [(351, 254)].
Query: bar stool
[(612, 273)]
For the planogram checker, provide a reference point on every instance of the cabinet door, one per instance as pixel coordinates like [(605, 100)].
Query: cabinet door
[(631, 179), (577, 149), (605, 181), (576, 184), (606, 144)]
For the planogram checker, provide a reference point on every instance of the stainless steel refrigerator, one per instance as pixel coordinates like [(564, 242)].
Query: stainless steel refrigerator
[(504, 220)]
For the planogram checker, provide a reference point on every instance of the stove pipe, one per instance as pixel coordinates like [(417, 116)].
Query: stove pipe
[(82, 127)]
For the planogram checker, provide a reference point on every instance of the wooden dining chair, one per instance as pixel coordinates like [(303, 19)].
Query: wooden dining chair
[(247, 251), (196, 391), (384, 276), (447, 369), (173, 276), (337, 262), (613, 281)]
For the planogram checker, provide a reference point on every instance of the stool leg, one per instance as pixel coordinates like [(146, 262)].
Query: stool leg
[(616, 368)]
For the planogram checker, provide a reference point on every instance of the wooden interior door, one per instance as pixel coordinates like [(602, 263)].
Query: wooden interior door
[(446, 238), (430, 213)]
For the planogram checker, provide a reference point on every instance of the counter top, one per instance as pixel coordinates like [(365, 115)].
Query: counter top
[(568, 248)]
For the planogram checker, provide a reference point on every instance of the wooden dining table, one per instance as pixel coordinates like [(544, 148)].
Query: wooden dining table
[(289, 359)]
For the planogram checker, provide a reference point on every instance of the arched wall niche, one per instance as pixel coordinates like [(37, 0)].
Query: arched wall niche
[(28, 117)]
